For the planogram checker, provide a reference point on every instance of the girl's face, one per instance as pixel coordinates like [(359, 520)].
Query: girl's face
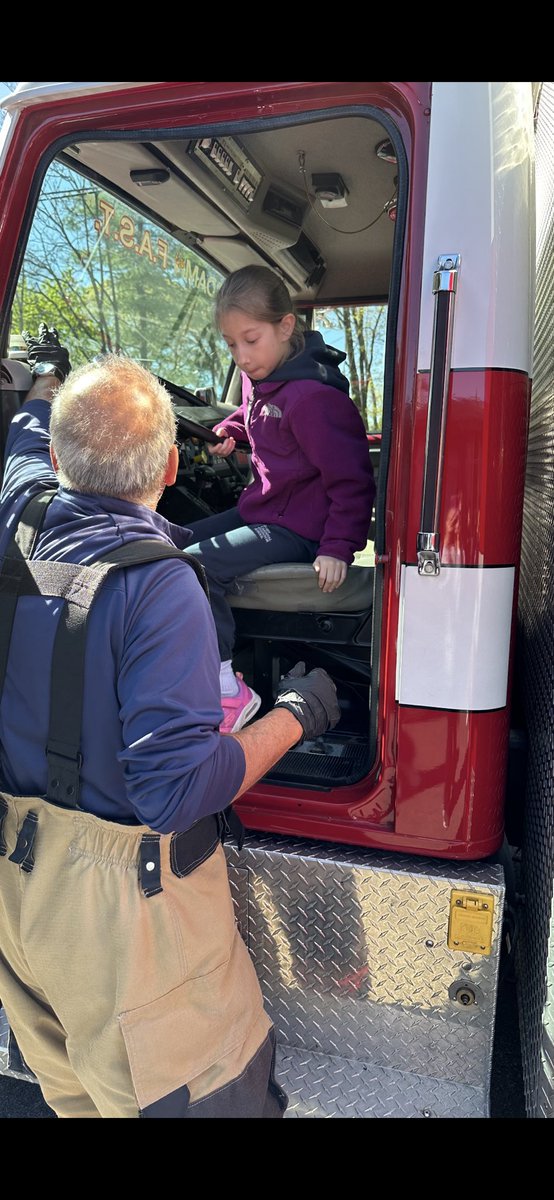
[(257, 347)]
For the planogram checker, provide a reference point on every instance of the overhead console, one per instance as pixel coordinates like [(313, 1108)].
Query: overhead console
[(215, 196), (271, 216), (222, 165)]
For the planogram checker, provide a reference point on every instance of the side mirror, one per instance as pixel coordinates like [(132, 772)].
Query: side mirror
[(206, 395)]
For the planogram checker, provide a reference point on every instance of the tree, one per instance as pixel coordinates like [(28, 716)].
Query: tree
[(363, 329), (111, 280)]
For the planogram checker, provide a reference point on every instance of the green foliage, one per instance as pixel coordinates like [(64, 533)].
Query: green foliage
[(110, 280), (362, 331)]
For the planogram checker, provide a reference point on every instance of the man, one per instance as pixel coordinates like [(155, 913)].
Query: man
[(124, 978)]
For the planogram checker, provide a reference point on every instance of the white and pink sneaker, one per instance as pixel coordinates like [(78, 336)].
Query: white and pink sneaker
[(239, 709)]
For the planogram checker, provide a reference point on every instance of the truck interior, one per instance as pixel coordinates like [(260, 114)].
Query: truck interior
[(127, 241)]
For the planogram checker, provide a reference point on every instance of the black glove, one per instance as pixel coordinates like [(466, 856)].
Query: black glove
[(311, 698), (46, 348)]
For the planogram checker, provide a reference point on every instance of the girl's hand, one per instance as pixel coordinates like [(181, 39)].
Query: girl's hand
[(222, 449), (331, 571)]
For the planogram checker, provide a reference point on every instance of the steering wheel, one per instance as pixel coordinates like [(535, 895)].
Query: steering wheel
[(195, 429)]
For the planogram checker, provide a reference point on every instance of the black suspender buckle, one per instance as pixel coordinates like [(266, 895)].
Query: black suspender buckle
[(23, 854), (150, 865), (63, 786)]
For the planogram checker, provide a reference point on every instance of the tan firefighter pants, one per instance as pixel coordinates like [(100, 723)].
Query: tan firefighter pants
[(126, 1004)]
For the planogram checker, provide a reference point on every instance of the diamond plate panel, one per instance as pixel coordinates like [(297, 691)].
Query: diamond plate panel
[(4, 1037), (536, 622), (5, 1068), (350, 948), (351, 951), (319, 1086)]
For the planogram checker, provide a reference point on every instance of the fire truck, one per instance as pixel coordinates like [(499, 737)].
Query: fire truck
[(379, 887)]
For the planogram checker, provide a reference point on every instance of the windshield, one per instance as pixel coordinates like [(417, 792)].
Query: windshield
[(112, 280)]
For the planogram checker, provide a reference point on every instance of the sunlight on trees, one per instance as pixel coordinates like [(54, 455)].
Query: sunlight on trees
[(361, 330), (111, 281)]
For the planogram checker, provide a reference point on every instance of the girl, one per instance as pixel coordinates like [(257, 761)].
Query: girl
[(312, 491)]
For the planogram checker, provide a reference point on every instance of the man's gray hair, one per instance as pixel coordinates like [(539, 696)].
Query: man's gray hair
[(112, 426)]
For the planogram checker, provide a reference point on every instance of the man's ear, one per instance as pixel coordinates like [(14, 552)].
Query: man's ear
[(172, 466), (53, 458), (287, 326)]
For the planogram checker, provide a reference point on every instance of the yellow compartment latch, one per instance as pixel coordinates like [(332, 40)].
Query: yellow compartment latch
[(470, 925)]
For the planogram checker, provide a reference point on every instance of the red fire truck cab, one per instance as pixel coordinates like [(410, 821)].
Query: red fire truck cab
[(401, 216)]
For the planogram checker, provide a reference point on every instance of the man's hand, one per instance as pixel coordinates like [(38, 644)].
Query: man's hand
[(46, 348), (331, 572), (311, 698)]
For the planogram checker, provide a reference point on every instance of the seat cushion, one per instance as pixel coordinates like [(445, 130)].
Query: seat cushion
[(293, 587)]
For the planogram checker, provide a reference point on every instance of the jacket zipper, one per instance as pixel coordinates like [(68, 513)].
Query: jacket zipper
[(249, 407)]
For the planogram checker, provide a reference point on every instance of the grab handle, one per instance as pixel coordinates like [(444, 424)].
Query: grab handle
[(445, 281)]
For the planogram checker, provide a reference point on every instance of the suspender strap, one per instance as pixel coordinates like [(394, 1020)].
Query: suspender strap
[(31, 521), (20, 547), (147, 550), (77, 585), (79, 590)]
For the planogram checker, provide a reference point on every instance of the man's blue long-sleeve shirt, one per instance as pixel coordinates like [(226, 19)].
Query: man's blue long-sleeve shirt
[(151, 748)]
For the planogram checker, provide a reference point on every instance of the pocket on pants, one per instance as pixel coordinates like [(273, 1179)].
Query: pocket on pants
[(195, 1039), (253, 1093)]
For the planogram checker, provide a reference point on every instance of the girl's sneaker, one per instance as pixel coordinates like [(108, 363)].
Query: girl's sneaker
[(239, 709)]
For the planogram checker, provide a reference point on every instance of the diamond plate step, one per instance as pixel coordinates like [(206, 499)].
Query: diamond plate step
[(319, 1085)]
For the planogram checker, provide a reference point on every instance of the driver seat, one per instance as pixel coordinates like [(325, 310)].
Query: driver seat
[(283, 603), (293, 587)]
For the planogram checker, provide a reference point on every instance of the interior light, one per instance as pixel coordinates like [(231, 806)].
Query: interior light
[(385, 151), (151, 176), (331, 190)]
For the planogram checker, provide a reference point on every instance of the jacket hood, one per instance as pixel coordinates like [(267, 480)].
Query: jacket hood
[(316, 361)]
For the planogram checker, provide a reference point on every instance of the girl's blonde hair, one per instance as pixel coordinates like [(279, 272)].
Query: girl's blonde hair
[(260, 294)]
